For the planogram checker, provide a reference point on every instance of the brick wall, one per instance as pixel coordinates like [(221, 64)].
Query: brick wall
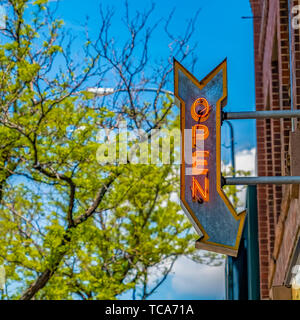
[(296, 66), (278, 211)]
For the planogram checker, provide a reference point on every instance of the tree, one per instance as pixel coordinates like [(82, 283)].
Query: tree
[(69, 226)]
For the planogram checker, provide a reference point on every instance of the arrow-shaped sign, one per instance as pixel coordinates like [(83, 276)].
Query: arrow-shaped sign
[(201, 194)]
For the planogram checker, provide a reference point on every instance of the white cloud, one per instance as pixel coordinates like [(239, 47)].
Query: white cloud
[(246, 160), (194, 279)]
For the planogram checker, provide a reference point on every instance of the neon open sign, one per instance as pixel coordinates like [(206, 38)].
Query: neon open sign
[(201, 194)]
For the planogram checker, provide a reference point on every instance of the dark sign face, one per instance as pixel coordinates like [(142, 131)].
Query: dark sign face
[(202, 197)]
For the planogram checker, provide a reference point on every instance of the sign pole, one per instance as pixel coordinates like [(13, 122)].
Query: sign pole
[(233, 181), (261, 115)]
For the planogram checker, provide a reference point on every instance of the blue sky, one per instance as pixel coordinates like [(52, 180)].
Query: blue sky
[(220, 33)]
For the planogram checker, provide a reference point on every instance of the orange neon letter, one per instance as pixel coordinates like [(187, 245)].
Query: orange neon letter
[(197, 188), (199, 163), (203, 135), (203, 116)]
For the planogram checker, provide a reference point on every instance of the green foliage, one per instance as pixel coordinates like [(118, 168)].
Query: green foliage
[(83, 230)]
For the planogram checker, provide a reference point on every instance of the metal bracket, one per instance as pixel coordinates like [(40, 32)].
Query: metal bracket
[(233, 181), (261, 115)]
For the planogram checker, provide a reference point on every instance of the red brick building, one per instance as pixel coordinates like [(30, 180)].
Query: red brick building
[(277, 76)]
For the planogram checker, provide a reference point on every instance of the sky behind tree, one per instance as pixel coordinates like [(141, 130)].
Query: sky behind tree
[(220, 33)]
